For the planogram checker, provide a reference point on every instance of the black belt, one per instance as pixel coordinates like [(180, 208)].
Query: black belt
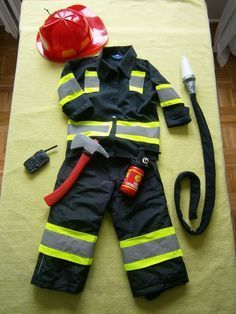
[(209, 164)]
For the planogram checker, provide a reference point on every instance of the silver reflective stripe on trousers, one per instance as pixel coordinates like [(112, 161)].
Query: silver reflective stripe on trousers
[(68, 88), (149, 249), (67, 244)]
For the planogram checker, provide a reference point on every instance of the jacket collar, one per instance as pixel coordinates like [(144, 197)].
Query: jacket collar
[(125, 65)]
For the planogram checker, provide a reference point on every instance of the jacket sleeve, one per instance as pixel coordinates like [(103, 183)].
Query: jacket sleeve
[(72, 99), (175, 112)]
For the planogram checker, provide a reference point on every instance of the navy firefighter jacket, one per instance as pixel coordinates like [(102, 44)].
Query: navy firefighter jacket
[(113, 97)]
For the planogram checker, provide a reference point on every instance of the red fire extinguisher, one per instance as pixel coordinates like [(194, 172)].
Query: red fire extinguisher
[(134, 177)]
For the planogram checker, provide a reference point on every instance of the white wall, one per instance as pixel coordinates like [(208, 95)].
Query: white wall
[(215, 8)]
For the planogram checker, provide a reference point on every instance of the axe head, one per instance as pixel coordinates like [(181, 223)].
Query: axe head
[(90, 146)]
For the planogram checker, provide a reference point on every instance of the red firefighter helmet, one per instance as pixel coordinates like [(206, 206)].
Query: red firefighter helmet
[(70, 33)]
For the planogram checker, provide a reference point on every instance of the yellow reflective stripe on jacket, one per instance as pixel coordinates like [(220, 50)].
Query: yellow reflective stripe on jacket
[(138, 73), (72, 233), (152, 124), (147, 237), (71, 97), (171, 102), (161, 86), (64, 255), (137, 138), (65, 79), (88, 122), (89, 73), (88, 133), (153, 260), (136, 89)]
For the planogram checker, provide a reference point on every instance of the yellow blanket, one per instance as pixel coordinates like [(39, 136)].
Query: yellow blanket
[(160, 31)]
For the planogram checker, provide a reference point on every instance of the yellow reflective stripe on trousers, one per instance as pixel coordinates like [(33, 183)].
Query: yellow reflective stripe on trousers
[(153, 260), (148, 237), (72, 233), (64, 255)]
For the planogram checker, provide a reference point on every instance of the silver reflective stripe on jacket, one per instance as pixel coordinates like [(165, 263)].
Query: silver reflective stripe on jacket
[(88, 128), (136, 81), (167, 95), (146, 132), (68, 89), (91, 82)]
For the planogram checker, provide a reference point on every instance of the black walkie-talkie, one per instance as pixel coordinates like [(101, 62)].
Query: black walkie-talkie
[(36, 161)]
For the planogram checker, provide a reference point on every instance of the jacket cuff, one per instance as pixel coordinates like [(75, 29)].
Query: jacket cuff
[(179, 115), (75, 109)]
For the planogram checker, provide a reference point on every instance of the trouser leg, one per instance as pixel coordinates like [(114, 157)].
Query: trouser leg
[(151, 252), (67, 246)]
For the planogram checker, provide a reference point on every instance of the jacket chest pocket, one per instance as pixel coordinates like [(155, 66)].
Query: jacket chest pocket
[(136, 81), (91, 82)]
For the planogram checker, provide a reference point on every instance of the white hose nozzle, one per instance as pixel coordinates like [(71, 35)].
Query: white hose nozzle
[(187, 75)]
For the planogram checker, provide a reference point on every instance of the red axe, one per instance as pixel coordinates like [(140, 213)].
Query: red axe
[(90, 147)]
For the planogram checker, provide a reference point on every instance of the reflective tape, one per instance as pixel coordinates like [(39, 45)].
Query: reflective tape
[(167, 95), (68, 89), (149, 249), (72, 233), (65, 79), (67, 244), (164, 232), (147, 132), (136, 81), (91, 82), (88, 128), (153, 260)]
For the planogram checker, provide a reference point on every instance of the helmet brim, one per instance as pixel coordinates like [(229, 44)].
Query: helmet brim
[(99, 36)]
